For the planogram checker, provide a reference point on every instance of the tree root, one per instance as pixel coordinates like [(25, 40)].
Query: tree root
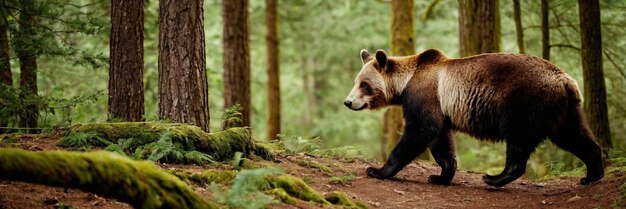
[(141, 184)]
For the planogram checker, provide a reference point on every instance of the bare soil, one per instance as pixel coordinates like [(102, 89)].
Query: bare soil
[(409, 189)]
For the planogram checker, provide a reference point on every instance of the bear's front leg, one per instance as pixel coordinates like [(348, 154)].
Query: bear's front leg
[(444, 154), (411, 145)]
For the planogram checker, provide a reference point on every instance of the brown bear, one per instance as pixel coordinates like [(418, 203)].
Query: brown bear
[(519, 99)]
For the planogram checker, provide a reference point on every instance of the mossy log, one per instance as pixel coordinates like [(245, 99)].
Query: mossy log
[(141, 184), (286, 188), (220, 145)]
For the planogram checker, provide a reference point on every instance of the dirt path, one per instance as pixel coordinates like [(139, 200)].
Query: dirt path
[(408, 190)]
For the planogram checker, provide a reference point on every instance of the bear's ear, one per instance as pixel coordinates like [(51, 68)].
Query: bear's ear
[(365, 56), (381, 58)]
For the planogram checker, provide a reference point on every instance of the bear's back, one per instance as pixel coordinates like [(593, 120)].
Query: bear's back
[(495, 96)]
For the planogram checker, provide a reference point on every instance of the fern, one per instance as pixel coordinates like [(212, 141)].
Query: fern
[(246, 190), (232, 115), (197, 157), (115, 148), (83, 139)]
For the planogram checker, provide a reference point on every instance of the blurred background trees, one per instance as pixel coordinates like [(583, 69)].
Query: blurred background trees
[(319, 45)]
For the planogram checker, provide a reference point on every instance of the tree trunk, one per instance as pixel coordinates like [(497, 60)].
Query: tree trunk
[(595, 106), (27, 53), (545, 30), (519, 30), (126, 60), (273, 78), (479, 26), (402, 44), (183, 89), (236, 59), (5, 65)]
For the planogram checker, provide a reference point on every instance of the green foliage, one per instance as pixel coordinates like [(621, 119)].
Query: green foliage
[(163, 142), (558, 169), (83, 139), (237, 160), (232, 115), (9, 139), (245, 191), (314, 165), (300, 144)]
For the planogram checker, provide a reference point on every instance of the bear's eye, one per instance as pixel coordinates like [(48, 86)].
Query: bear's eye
[(367, 90)]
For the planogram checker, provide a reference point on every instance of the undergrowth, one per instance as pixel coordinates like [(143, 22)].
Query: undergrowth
[(164, 142), (293, 144), (245, 192)]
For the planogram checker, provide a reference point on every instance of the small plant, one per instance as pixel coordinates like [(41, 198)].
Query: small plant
[(246, 190), (236, 162), (300, 144), (342, 179), (83, 139), (231, 116), (311, 164)]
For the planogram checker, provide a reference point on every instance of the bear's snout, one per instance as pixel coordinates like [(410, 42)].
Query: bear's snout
[(348, 103)]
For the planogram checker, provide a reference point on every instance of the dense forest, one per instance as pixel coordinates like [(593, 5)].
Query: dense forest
[(283, 68)]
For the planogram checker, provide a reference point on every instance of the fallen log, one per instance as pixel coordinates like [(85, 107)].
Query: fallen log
[(139, 183), (133, 137)]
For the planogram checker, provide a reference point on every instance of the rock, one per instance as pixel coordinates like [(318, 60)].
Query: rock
[(574, 198)]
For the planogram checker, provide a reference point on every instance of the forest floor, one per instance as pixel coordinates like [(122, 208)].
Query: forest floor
[(409, 189)]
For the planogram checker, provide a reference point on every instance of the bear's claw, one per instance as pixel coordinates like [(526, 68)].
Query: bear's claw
[(375, 173), (438, 180), (587, 180)]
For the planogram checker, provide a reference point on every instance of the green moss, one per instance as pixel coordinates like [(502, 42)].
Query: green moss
[(342, 179), (207, 177), (340, 198), (9, 139), (295, 187), (170, 141), (139, 183), (221, 177), (282, 195), (311, 164)]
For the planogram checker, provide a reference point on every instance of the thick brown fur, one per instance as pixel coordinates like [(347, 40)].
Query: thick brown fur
[(519, 99)]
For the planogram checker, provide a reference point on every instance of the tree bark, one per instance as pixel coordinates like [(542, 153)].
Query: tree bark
[(273, 78), (183, 88), (5, 65), (595, 105), (519, 30), (402, 44), (141, 184), (545, 30), (479, 27), (27, 54), (236, 59), (126, 60)]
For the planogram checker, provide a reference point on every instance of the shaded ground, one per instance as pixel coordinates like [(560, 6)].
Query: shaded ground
[(408, 190)]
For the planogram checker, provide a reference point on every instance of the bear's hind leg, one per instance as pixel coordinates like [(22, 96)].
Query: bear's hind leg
[(444, 154), (576, 138), (517, 154)]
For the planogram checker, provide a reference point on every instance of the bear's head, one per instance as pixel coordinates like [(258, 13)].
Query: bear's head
[(373, 86)]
